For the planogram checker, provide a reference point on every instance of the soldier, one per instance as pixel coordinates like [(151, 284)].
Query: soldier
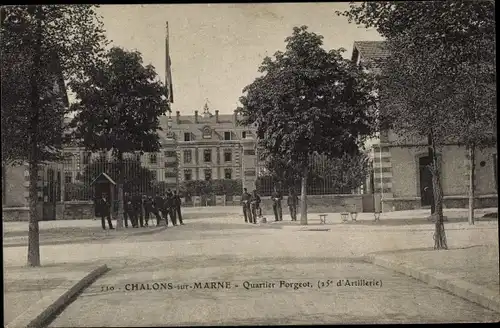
[(148, 207), (153, 209), (103, 207), (278, 212), (127, 209), (255, 206), (170, 205), (159, 208), (292, 202), (137, 208), (245, 203), (177, 206)]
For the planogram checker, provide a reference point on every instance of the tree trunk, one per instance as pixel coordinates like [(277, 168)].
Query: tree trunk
[(119, 214), (33, 230), (439, 234), (431, 155), (303, 197), (472, 169)]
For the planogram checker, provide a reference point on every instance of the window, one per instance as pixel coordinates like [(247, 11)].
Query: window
[(68, 178), (154, 175), (228, 156), (187, 136), (78, 176), (152, 159), (249, 152), (187, 175), (228, 173), (227, 135), (67, 159), (138, 157), (208, 174), (207, 155), (170, 174), (86, 158), (188, 156), (170, 153), (244, 134)]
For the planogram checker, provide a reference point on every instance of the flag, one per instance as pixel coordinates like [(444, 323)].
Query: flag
[(168, 72)]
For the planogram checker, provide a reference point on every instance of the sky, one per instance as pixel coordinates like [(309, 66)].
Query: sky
[(216, 49)]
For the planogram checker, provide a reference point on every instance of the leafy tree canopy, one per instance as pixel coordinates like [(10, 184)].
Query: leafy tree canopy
[(69, 40), (440, 78), (309, 100), (119, 105)]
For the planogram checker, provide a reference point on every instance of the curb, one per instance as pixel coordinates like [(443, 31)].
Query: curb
[(34, 318), (468, 291)]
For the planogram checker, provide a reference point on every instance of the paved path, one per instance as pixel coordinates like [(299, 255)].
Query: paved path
[(225, 248), (397, 299)]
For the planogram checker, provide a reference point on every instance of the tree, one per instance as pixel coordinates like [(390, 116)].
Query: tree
[(439, 81), (41, 46), (308, 101), (118, 109)]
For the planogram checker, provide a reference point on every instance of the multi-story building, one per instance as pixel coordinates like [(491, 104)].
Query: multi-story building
[(193, 147), (212, 146)]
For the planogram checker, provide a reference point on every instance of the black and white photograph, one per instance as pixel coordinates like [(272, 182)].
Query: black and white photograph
[(243, 164)]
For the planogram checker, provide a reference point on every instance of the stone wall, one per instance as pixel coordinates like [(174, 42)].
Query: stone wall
[(404, 204), (320, 203)]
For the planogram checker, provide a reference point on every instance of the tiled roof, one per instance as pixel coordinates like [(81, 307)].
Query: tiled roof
[(369, 50)]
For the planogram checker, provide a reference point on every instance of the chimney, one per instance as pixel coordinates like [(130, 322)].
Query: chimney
[(216, 116), (196, 117), (178, 117)]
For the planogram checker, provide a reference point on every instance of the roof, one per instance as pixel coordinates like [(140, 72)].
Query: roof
[(369, 50), (104, 175)]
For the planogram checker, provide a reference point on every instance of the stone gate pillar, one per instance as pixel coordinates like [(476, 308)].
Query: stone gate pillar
[(249, 163)]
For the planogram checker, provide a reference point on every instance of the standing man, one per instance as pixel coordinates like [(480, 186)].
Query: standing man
[(127, 209), (278, 212), (177, 206), (159, 207), (148, 207), (103, 207), (292, 202), (245, 203), (170, 207), (137, 208), (255, 206)]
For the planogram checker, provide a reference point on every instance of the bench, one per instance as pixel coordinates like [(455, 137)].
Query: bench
[(354, 215), (377, 216), (344, 216), (322, 218)]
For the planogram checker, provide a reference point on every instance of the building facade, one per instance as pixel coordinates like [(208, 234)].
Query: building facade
[(400, 177)]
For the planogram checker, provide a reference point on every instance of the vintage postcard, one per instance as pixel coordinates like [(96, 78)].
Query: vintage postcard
[(249, 164)]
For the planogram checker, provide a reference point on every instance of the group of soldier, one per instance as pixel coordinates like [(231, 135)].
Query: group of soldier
[(252, 209), (138, 209)]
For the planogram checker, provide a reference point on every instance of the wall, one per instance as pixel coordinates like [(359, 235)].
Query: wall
[(15, 186), (320, 203)]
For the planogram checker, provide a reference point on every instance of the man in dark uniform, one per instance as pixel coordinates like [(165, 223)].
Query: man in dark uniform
[(137, 208), (170, 206), (245, 203), (103, 208), (255, 206), (148, 207), (153, 209), (177, 206), (292, 202), (158, 208), (278, 212), (127, 209)]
